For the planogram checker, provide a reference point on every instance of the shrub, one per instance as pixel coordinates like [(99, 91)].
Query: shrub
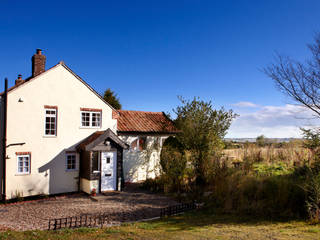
[(153, 185), (312, 190), (173, 163), (263, 195)]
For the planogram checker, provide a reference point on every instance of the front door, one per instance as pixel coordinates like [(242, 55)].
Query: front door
[(108, 171)]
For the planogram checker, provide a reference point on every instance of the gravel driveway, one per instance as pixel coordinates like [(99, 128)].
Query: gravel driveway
[(129, 205)]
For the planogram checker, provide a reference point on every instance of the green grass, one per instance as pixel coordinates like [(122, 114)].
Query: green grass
[(194, 225)]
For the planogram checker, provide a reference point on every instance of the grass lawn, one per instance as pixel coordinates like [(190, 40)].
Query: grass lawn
[(194, 225)]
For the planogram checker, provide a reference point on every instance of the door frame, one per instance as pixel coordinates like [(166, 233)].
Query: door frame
[(115, 170)]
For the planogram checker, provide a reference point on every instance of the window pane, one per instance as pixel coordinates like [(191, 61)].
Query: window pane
[(96, 119), (85, 116), (134, 144), (95, 161), (23, 164), (142, 143), (71, 162)]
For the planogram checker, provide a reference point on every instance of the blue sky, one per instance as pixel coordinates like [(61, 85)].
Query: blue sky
[(149, 52)]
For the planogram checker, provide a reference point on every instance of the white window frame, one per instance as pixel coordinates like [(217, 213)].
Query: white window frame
[(29, 164), (75, 162), (45, 121), (90, 119)]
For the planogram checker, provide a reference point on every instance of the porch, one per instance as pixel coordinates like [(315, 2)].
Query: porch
[(101, 162)]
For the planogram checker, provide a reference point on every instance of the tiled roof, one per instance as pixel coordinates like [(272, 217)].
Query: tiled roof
[(89, 139), (147, 122), (99, 136)]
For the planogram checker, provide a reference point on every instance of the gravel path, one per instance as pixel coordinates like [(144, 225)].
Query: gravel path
[(129, 205)]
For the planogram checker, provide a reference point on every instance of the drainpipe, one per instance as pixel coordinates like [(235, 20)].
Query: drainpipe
[(4, 146)]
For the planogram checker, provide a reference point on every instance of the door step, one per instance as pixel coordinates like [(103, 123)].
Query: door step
[(110, 193), (97, 198), (102, 196)]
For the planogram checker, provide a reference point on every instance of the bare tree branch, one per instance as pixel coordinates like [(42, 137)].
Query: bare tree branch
[(299, 81)]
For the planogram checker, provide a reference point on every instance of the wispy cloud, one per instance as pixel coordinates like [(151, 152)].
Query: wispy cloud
[(245, 105), (273, 121)]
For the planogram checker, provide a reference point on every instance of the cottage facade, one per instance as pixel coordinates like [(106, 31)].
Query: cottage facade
[(61, 136)]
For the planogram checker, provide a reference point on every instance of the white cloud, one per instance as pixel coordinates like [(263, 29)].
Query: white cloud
[(245, 105), (273, 121)]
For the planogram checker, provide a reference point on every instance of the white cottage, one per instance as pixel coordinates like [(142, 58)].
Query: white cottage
[(59, 135)]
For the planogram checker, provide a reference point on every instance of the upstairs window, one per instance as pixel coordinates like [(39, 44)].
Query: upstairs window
[(51, 121), (91, 118)]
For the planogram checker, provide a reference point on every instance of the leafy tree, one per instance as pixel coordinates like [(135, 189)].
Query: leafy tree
[(173, 163), (261, 140), (202, 131), (299, 81), (311, 138), (111, 98)]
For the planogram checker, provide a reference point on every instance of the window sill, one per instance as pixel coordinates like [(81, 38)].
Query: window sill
[(22, 174), (49, 136), (89, 127), (136, 151), (71, 170)]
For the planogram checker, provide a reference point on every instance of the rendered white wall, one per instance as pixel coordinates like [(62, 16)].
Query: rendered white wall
[(140, 165), (56, 87)]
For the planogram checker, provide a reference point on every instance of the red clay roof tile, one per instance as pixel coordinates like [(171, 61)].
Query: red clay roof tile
[(147, 122)]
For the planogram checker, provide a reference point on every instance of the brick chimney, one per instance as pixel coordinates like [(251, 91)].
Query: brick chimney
[(19, 80), (38, 63)]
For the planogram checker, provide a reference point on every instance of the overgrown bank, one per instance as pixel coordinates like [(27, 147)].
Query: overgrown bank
[(194, 168)]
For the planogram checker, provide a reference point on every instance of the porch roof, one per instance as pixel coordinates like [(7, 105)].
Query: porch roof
[(99, 136)]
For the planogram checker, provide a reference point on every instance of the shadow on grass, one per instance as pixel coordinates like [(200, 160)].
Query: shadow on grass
[(203, 218)]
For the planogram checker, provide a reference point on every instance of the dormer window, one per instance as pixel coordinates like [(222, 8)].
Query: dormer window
[(91, 118)]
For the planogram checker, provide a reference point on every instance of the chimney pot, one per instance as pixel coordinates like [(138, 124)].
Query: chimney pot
[(38, 51), (19, 80)]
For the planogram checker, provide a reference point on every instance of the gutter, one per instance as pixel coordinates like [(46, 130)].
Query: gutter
[(4, 146)]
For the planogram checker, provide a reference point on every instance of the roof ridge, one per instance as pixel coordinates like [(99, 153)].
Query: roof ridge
[(138, 111), (30, 78), (86, 84)]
